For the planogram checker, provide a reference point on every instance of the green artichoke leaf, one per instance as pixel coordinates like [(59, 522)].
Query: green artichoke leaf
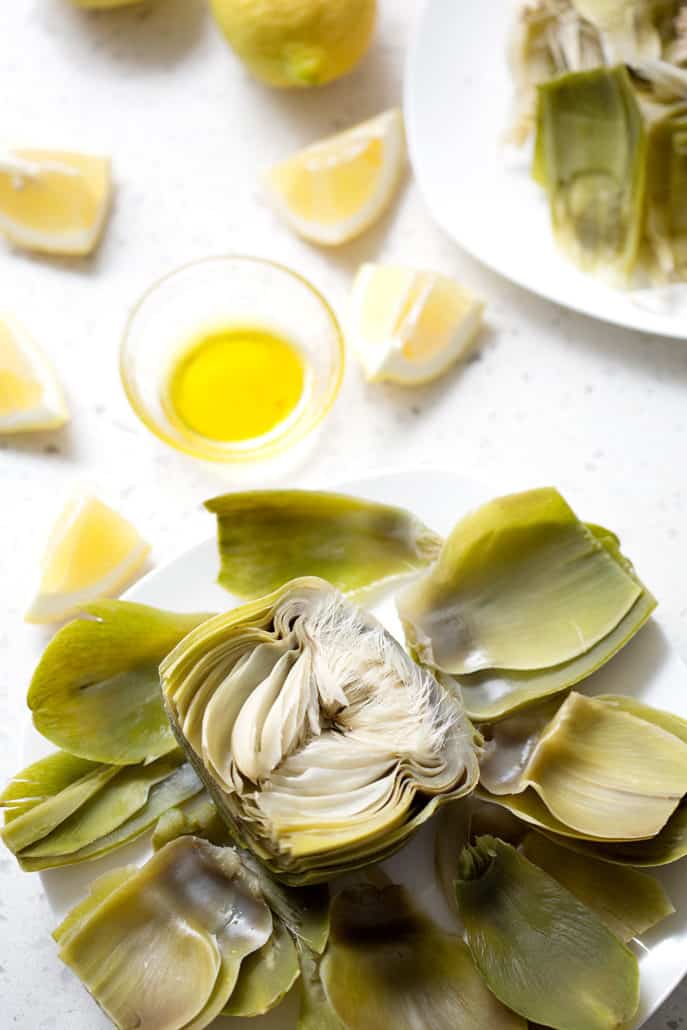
[(323, 745), (541, 951), (197, 817), (96, 690), (266, 976), (602, 770), (627, 901), (388, 965), (165, 946), (521, 584), (591, 159), (315, 1012), (268, 537), (41, 780), (666, 221)]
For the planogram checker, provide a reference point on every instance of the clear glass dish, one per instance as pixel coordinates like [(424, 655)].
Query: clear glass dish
[(220, 292)]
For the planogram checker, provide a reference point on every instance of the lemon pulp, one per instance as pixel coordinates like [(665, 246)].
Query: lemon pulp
[(236, 384)]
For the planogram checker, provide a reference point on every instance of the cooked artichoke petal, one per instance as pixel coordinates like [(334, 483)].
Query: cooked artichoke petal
[(591, 159), (43, 779), (387, 965), (600, 770), (164, 949), (666, 221), (670, 845), (197, 817), (627, 901), (541, 951), (498, 693), (315, 1011), (96, 691), (266, 976), (521, 584), (320, 741), (269, 537)]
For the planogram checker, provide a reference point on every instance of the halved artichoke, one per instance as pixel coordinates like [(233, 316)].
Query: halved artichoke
[(606, 768), (541, 951), (96, 690), (269, 537), (388, 966), (590, 157), (524, 602), (64, 810), (323, 745)]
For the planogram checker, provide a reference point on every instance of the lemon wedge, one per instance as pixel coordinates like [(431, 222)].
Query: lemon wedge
[(53, 201), (31, 398), (92, 551), (409, 326), (332, 191)]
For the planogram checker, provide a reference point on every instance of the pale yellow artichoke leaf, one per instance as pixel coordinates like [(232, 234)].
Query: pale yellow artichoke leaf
[(388, 965), (268, 537), (197, 817), (541, 951), (315, 1012), (670, 845), (627, 901), (165, 948), (266, 976), (321, 742), (41, 780), (521, 584)]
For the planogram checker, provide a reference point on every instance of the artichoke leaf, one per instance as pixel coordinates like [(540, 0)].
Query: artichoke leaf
[(269, 537), (315, 1012), (591, 160), (388, 965), (197, 817), (670, 845), (266, 976), (165, 947), (600, 770), (521, 584), (321, 742), (41, 780), (541, 951), (627, 901), (666, 222), (96, 690)]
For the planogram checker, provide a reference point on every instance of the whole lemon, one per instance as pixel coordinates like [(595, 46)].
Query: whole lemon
[(297, 42)]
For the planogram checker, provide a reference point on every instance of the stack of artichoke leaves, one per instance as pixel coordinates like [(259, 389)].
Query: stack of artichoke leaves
[(604, 87), (269, 751)]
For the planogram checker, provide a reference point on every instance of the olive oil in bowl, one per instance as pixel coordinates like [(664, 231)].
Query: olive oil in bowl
[(235, 384)]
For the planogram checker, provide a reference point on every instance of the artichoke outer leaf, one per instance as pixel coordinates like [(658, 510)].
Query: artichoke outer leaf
[(604, 771), (591, 159), (41, 780), (269, 537), (197, 817), (166, 946), (96, 690), (541, 951), (628, 902), (387, 965), (315, 1011), (521, 584), (266, 976)]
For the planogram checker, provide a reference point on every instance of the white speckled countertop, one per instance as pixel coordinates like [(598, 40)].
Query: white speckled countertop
[(550, 397)]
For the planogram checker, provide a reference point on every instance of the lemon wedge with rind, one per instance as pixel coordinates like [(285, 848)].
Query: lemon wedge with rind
[(31, 397), (334, 190), (91, 553), (54, 202), (410, 326)]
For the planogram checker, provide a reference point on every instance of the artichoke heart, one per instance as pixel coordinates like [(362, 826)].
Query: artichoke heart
[(63, 810), (607, 769), (162, 947), (541, 951), (590, 157), (389, 966), (524, 601), (322, 743), (96, 690), (269, 537)]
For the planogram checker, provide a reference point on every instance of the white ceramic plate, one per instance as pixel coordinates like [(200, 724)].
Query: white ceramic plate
[(457, 102), (648, 667)]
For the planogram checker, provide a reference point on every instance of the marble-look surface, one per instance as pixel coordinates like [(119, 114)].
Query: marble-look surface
[(549, 398)]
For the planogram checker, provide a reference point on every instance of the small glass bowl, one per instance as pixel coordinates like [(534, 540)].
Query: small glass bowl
[(220, 293)]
